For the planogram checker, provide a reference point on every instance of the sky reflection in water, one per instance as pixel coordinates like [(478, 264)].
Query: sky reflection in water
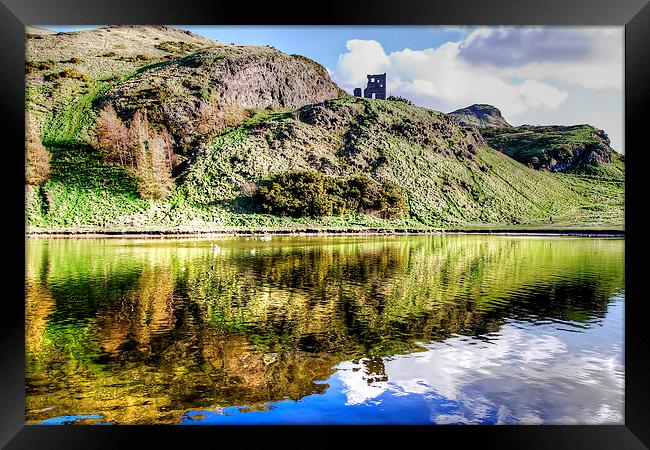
[(524, 375)]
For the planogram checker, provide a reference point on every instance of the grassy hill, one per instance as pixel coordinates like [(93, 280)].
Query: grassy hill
[(299, 120), (581, 149), (481, 115)]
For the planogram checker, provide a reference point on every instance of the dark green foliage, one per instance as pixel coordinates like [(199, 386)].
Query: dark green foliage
[(363, 194), (299, 194), (35, 66), (177, 47), (67, 73), (400, 99), (311, 194)]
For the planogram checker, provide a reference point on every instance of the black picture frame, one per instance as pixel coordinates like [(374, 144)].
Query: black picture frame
[(15, 14)]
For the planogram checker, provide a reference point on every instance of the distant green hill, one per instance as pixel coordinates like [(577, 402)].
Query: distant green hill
[(481, 115), (581, 149), (449, 175)]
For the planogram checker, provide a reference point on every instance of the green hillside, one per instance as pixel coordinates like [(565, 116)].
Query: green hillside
[(580, 149), (448, 174)]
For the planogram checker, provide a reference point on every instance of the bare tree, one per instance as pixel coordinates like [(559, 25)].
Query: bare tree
[(112, 137), (37, 157), (147, 153)]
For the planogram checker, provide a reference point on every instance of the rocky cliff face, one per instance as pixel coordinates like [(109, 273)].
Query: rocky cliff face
[(182, 79), (180, 93), (480, 115), (581, 149), (71, 68)]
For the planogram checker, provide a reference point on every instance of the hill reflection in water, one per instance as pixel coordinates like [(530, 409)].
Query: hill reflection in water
[(421, 329)]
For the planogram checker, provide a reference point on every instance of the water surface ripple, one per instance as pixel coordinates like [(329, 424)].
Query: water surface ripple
[(353, 330)]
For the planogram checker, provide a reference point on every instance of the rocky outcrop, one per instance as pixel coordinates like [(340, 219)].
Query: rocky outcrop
[(581, 149), (480, 115), (185, 93), (186, 82)]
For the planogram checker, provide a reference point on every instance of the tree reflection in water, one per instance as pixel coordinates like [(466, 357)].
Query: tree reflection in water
[(143, 331)]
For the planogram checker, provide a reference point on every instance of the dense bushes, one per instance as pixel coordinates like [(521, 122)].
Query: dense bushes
[(147, 153), (35, 66), (67, 73), (37, 158), (178, 47), (400, 99), (300, 194)]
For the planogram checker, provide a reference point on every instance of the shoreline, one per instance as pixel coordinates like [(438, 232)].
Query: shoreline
[(175, 234)]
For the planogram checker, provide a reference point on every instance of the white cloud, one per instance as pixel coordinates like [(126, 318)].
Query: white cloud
[(600, 68), (528, 376), (363, 57), (440, 79), (550, 75)]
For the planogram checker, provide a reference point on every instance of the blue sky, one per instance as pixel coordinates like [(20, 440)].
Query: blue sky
[(535, 75)]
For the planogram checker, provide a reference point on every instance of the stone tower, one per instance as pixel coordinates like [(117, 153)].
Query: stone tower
[(376, 87)]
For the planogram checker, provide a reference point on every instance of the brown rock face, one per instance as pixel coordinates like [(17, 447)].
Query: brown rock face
[(187, 94)]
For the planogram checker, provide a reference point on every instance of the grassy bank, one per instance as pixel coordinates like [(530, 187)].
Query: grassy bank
[(85, 194)]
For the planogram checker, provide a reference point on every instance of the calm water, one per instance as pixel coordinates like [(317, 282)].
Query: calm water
[(426, 329)]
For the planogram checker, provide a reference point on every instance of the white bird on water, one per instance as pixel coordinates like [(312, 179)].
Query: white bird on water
[(266, 237), (217, 249)]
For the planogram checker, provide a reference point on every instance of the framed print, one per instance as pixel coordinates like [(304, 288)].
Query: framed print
[(366, 219)]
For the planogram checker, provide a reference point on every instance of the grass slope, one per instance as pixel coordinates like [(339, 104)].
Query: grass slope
[(580, 149), (451, 178)]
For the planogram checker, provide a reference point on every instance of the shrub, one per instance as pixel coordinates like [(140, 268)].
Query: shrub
[(35, 66), (306, 193), (112, 138), (37, 158), (400, 99), (299, 194), (365, 195), (136, 58), (67, 73)]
